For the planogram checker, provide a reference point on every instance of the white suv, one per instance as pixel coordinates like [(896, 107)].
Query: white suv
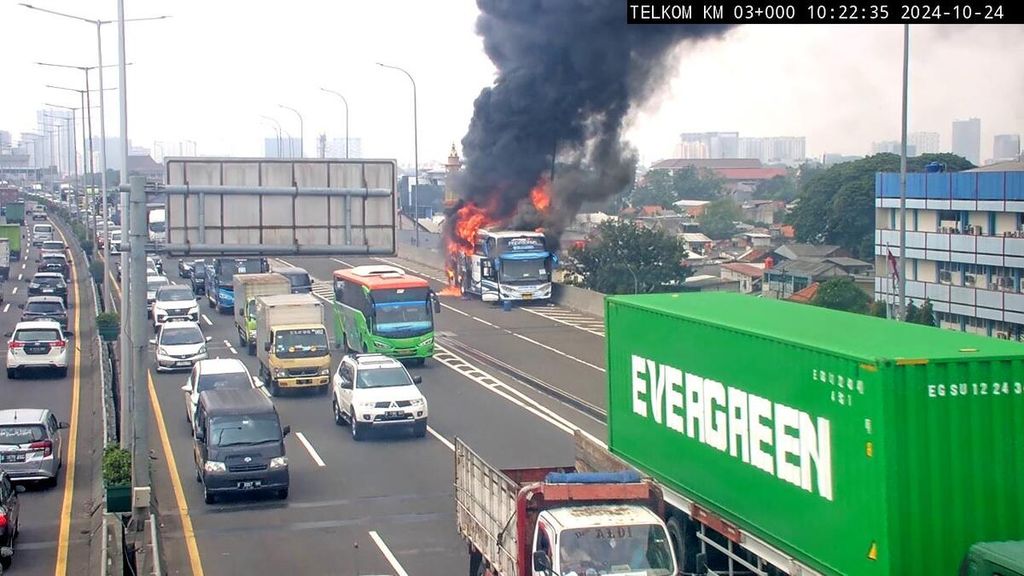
[(174, 302), (375, 391), (38, 344)]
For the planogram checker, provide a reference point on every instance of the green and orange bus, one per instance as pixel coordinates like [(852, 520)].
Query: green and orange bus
[(381, 309)]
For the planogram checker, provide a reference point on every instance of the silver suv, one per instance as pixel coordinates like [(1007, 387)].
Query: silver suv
[(31, 444)]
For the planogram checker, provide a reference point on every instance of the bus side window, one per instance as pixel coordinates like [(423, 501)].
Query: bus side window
[(339, 291), (479, 248)]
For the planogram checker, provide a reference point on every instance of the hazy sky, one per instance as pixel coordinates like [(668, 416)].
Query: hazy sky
[(210, 71)]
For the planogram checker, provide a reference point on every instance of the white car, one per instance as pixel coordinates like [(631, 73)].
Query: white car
[(214, 374), (37, 345), (154, 283), (174, 302), (179, 345), (375, 391)]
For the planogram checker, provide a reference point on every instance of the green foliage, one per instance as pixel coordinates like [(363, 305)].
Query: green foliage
[(924, 315), (912, 312), (625, 257), (117, 466), (691, 183), (108, 320), (719, 218), (837, 205), (656, 190), (879, 309), (778, 188), (841, 293), (96, 271)]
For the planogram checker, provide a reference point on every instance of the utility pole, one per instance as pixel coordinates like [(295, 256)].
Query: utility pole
[(139, 383), (902, 280)]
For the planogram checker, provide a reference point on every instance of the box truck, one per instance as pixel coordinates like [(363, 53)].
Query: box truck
[(291, 342), (12, 232), (247, 288)]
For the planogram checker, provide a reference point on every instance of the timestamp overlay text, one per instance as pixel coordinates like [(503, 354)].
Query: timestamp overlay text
[(808, 12)]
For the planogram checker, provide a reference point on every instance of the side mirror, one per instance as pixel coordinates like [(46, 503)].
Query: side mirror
[(152, 341), (200, 435), (187, 388), (541, 562), (286, 431), (19, 488), (266, 347), (437, 304), (417, 379), (69, 334), (209, 338), (63, 425)]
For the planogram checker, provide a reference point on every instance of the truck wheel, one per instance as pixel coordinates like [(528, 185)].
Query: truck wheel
[(252, 349), (684, 543), (275, 390), (242, 340), (12, 374), (282, 494)]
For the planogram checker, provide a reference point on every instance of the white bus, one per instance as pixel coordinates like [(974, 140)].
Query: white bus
[(513, 265)]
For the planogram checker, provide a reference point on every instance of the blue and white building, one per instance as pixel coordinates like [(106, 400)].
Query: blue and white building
[(965, 246)]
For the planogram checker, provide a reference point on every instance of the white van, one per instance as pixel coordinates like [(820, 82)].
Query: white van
[(41, 233)]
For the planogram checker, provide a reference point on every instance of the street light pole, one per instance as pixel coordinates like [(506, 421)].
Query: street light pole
[(902, 280), (278, 128), (302, 131), (416, 153), (72, 145), (338, 94)]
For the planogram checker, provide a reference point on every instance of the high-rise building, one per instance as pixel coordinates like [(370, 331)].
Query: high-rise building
[(967, 139), (5, 141), (1006, 147), (335, 148), (787, 149), (893, 147), (58, 127), (754, 148), (714, 144), (972, 224), (290, 148), (924, 142)]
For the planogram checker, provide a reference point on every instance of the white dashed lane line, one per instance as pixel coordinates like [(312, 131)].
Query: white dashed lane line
[(207, 320), (7, 307), (309, 448), (387, 554)]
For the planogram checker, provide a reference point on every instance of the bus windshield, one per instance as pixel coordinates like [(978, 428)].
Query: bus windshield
[(532, 270), (402, 312)]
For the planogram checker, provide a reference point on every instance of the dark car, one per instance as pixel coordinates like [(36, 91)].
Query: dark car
[(45, 307), (198, 278), (49, 284), (187, 267), (54, 262), (9, 509), (239, 444), (298, 278)]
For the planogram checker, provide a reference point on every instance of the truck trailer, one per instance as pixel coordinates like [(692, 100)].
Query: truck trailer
[(794, 439), (247, 288)]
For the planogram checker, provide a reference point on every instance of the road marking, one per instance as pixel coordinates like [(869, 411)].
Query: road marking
[(207, 320), (226, 343), (343, 263), (555, 350), (561, 319), (15, 291), (179, 494), (22, 265), (406, 267), (387, 554), (232, 348), (482, 321), (7, 307), (454, 309), (309, 448), (19, 276), (63, 538), (443, 440)]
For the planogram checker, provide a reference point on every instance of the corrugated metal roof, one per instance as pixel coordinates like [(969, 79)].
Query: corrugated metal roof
[(1010, 166), (745, 269)]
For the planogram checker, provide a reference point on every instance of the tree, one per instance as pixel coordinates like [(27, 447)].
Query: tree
[(624, 258), (719, 218), (778, 188), (655, 190), (911, 313), (925, 314), (837, 205), (841, 293), (691, 183), (879, 308)]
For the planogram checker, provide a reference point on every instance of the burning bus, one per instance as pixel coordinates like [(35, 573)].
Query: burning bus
[(513, 265)]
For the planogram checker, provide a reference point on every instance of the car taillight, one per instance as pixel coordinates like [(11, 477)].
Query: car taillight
[(3, 521), (15, 344), (46, 446), (59, 344)]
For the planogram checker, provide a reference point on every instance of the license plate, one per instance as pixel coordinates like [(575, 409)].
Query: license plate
[(186, 363), (250, 484), (47, 290), (305, 381), (527, 296), (13, 458), (392, 414), (36, 349)]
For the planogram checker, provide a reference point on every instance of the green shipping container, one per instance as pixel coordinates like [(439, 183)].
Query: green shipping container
[(13, 233), (859, 445), (15, 213)]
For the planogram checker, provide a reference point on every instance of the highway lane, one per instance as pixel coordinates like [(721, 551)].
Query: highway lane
[(396, 486), (41, 547), (563, 356)]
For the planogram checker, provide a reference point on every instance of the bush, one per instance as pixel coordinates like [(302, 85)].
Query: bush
[(108, 320), (117, 466), (96, 270)]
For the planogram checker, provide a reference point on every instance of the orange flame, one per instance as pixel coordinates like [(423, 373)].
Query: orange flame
[(468, 221), (540, 197)]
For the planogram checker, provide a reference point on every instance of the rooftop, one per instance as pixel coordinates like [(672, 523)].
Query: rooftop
[(1009, 166), (694, 237), (806, 295), (793, 251), (745, 269)]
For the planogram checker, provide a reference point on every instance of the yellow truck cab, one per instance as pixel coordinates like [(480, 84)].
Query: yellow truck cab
[(247, 288), (291, 343)]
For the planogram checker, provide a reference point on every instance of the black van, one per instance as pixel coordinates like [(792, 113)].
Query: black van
[(298, 278), (239, 444)]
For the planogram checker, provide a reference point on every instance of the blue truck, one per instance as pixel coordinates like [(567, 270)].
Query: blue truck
[(220, 287)]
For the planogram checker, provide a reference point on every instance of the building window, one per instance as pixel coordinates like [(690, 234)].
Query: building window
[(949, 221)]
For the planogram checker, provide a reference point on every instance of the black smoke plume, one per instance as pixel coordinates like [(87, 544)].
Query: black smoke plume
[(569, 72)]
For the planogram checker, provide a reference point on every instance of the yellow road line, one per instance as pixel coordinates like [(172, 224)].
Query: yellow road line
[(69, 474), (179, 493)]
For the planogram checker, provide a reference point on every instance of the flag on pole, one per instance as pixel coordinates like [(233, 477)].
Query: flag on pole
[(892, 264)]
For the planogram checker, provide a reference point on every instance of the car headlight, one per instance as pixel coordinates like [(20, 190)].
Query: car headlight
[(212, 466), (194, 309), (161, 351), (202, 349), (279, 462), (33, 286), (428, 342), (325, 372), (279, 372), (419, 402), (383, 344), (365, 405)]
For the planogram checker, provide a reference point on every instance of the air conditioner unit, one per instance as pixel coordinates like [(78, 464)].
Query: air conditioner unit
[(969, 279)]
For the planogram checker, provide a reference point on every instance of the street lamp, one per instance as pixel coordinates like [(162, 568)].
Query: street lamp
[(72, 146), (302, 131), (338, 94), (901, 285), (277, 127), (415, 152)]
